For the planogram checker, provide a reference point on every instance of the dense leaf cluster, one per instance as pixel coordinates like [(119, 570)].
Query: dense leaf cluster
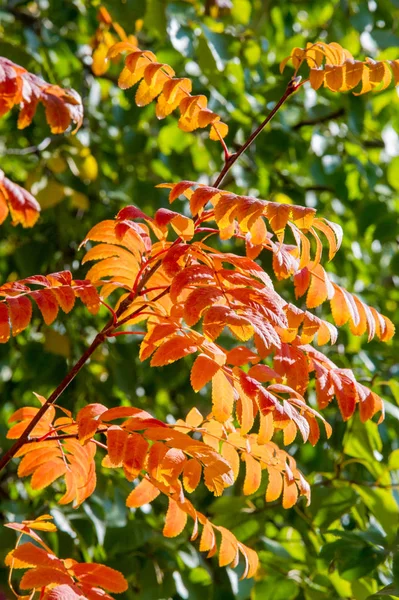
[(325, 153)]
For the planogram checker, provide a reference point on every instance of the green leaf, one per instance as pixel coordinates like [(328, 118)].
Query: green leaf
[(275, 588), (241, 11), (330, 504), (383, 506), (390, 592)]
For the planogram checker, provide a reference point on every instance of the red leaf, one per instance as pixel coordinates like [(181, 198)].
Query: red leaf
[(20, 313), (345, 391), (4, 324), (195, 274)]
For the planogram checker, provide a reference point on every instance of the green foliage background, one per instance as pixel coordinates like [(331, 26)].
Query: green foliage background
[(336, 152)]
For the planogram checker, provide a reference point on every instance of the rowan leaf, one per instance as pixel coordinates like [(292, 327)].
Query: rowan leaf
[(24, 208), (191, 475), (62, 592), (340, 71), (144, 493), (175, 520), (59, 291), (35, 556), (19, 87), (208, 538), (222, 397), (173, 349), (203, 371), (275, 484), (290, 493), (253, 474), (135, 452), (46, 473), (228, 551), (116, 441), (97, 575), (43, 576), (157, 79)]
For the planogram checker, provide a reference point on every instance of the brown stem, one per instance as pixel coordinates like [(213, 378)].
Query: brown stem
[(62, 436), (98, 340), (232, 158), (5, 459)]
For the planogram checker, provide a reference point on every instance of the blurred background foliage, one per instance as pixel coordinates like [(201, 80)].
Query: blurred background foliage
[(335, 152)]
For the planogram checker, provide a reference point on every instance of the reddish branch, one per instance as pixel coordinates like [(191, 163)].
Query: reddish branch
[(230, 159)]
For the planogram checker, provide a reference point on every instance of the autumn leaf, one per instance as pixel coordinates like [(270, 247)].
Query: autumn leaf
[(21, 87)]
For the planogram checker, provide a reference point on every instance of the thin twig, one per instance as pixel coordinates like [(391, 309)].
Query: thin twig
[(322, 119), (98, 340), (292, 87), (30, 149)]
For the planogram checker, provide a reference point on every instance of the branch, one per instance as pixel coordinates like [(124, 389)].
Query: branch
[(98, 340), (334, 115), (372, 484), (100, 337), (292, 87), (30, 149)]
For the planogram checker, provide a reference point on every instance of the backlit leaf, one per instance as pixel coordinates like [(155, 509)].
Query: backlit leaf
[(175, 520)]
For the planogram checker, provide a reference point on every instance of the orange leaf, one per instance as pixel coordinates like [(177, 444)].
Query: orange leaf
[(116, 440), (172, 350), (208, 539), (240, 355), (202, 371), (230, 454), (198, 300), (275, 484), (222, 397), (135, 452), (228, 551), (194, 417), (253, 474), (35, 556), (100, 576), (320, 288), (290, 493), (175, 520), (195, 274), (191, 474), (46, 473), (144, 493), (43, 576), (251, 561), (87, 427)]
